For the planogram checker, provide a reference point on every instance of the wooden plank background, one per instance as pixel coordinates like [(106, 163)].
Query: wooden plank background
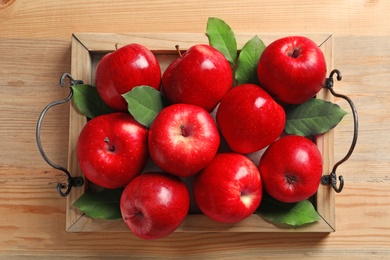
[(35, 50)]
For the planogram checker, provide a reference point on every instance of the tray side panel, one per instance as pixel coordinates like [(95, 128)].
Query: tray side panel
[(80, 70), (325, 194)]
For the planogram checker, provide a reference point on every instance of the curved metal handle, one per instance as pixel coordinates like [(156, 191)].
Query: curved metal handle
[(63, 189), (331, 179)]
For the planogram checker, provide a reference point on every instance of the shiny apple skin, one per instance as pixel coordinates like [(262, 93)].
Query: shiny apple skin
[(178, 153), (229, 189), (249, 119), (291, 169), (289, 79), (120, 71), (154, 204), (201, 76), (112, 168)]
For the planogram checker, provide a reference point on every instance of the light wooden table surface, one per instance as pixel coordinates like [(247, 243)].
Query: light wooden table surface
[(35, 50)]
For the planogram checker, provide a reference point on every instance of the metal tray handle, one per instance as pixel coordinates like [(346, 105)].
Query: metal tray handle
[(331, 179), (63, 189)]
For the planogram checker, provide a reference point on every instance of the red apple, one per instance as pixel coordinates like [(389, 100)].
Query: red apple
[(112, 149), (291, 169), (154, 204), (201, 76), (229, 189), (183, 139), (249, 118), (292, 69), (120, 71)]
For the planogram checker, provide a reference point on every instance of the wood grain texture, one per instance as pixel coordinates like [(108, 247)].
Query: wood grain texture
[(35, 50), (37, 18)]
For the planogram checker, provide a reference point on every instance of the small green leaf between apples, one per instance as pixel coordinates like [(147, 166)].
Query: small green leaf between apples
[(88, 101), (104, 204), (313, 117), (222, 38), (246, 71), (144, 103), (291, 214)]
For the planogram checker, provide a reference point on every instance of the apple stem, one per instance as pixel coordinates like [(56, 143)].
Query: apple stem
[(178, 50), (116, 46), (183, 131), (291, 179), (111, 148), (295, 53)]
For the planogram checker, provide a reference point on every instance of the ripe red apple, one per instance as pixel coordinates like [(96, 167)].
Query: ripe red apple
[(120, 71), (292, 69), (112, 149), (183, 139), (291, 169), (249, 118), (154, 204), (201, 76), (229, 189)]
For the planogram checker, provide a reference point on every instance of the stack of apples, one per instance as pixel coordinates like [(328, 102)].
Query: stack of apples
[(206, 134)]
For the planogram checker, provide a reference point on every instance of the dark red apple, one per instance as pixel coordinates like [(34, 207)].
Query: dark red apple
[(154, 204), (291, 169), (292, 69), (112, 149), (183, 139), (229, 189), (200, 76), (249, 118), (120, 71)]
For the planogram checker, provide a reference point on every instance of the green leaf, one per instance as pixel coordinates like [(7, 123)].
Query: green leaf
[(291, 214), (144, 103), (104, 204), (87, 100), (222, 38), (246, 71), (313, 117)]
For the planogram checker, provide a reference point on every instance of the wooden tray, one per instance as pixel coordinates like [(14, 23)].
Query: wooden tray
[(87, 50)]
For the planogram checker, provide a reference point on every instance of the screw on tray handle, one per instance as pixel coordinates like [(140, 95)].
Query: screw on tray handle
[(331, 179), (63, 189)]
